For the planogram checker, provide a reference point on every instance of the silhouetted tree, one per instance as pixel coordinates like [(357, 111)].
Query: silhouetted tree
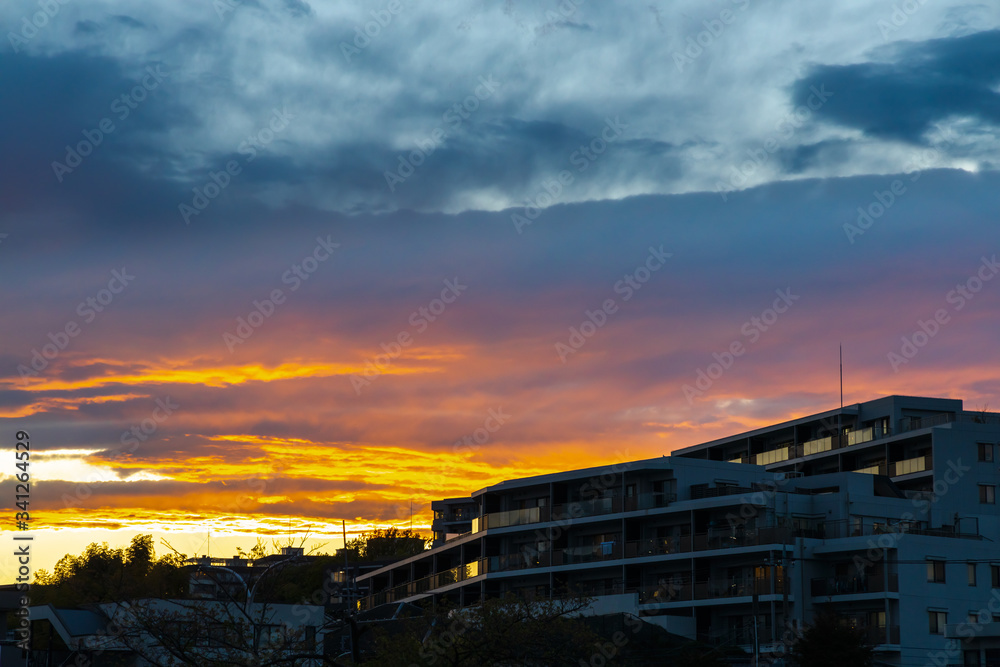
[(387, 543), (830, 643), (501, 631), (103, 574)]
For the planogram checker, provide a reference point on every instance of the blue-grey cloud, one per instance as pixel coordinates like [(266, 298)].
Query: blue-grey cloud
[(921, 83)]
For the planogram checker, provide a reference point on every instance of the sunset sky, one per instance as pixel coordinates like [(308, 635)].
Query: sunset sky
[(273, 264)]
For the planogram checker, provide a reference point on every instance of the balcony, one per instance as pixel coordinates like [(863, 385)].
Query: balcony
[(848, 439), (879, 468), (511, 518), (860, 436), (708, 541), (881, 635), (917, 423), (817, 446), (909, 466), (854, 585), (700, 491), (773, 456), (530, 558), (579, 509), (840, 528), (710, 589), (424, 585)]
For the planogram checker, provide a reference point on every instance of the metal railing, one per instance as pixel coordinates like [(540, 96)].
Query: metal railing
[(424, 585), (710, 589), (579, 509), (916, 423), (854, 585)]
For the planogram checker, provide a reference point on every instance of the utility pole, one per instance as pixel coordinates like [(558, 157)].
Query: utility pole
[(352, 605), (756, 640)]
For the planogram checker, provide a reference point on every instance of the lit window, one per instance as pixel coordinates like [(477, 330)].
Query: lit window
[(987, 494), (935, 571), (972, 573)]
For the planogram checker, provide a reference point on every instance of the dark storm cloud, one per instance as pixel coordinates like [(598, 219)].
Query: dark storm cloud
[(918, 84), (124, 182), (12, 398)]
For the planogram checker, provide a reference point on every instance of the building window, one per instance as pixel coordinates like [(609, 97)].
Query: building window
[(987, 494), (971, 658), (985, 451), (935, 571), (995, 576), (972, 573), (938, 619)]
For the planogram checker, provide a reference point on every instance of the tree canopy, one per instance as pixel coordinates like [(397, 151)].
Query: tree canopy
[(103, 574), (387, 544), (828, 642)]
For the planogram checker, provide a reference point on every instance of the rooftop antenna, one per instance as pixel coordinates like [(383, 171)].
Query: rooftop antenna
[(840, 415), (347, 567)]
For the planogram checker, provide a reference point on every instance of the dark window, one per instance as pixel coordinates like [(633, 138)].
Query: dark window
[(938, 619), (972, 574), (987, 494), (985, 451), (935, 571), (995, 576)]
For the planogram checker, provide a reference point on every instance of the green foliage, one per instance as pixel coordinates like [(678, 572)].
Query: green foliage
[(102, 574), (387, 544), (830, 643)]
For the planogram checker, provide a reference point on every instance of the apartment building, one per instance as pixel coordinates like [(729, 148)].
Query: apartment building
[(452, 517), (884, 512)]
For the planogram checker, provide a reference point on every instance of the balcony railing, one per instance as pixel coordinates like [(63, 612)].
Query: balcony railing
[(817, 446), (908, 466), (578, 509), (530, 558), (432, 582), (848, 439), (881, 635), (510, 518), (710, 589), (879, 468), (841, 528), (860, 436), (773, 456), (702, 491), (854, 585)]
